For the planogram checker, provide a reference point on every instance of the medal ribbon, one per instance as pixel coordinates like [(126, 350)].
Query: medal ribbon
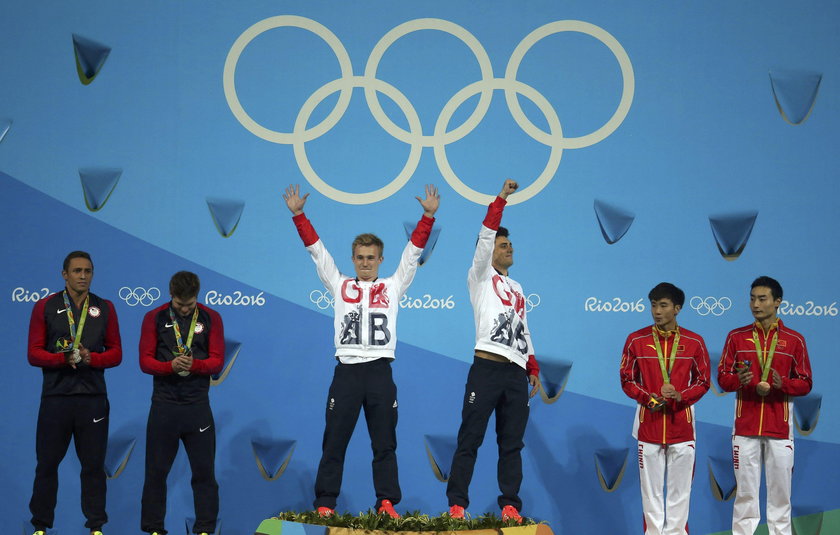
[(664, 365), (765, 358), (182, 348), (76, 334)]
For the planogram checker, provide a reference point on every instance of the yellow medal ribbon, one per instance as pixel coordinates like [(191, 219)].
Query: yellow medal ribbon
[(76, 334), (765, 359), (179, 341), (666, 365)]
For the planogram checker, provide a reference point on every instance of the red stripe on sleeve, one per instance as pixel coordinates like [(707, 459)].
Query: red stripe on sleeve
[(305, 229), (420, 236), (494, 214), (37, 352)]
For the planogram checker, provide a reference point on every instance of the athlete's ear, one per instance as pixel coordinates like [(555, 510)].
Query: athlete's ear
[(677, 309)]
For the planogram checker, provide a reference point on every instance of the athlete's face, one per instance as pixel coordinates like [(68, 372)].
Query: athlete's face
[(183, 306), (762, 304), (78, 275), (366, 260), (502, 254), (664, 313)]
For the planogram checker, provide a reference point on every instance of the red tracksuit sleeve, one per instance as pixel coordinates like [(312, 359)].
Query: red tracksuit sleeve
[(421, 232), (494, 214), (727, 374), (215, 348), (37, 352), (630, 375), (112, 355), (305, 229), (532, 367), (799, 382), (148, 347)]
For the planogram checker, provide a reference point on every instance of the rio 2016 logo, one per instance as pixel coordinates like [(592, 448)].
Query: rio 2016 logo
[(237, 298), (442, 135), (616, 304), (808, 309), (22, 295)]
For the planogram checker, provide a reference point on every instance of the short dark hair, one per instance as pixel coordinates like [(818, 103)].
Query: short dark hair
[(184, 285), (76, 254), (502, 232), (666, 290), (769, 282), (367, 240)]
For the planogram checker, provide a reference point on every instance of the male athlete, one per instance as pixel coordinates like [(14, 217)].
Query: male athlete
[(366, 309), (767, 364), (182, 343), (503, 367), (73, 337), (665, 368)]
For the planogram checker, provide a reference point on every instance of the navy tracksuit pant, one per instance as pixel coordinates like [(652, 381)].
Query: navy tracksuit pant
[(367, 385), (503, 388), (84, 418), (168, 425)]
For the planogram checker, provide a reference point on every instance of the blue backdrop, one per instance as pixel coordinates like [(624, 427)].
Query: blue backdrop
[(650, 140)]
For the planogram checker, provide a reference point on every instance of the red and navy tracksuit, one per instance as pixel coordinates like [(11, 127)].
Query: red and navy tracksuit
[(74, 403), (180, 412)]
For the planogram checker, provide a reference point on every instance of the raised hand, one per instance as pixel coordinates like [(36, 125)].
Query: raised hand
[(432, 201), (293, 199), (508, 187)]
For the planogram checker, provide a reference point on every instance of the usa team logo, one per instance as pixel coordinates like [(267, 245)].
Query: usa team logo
[(199, 327), (94, 312)]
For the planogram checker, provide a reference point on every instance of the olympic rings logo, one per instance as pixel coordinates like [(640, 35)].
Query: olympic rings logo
[(710, 305), (532, 302), (139, 295), (322, 300), (441, 136)]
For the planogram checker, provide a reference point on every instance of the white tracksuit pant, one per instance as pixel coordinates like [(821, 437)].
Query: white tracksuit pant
[(747, 453), (666, 517)]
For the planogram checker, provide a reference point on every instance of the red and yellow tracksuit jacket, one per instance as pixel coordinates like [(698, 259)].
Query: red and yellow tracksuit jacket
[(641, 378)]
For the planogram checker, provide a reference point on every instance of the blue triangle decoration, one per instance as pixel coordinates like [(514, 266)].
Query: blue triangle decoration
[(614, 221), (732, 231), (97, 185), (610, 465), (5, 126), (117, 456), (806, 412), (190, 522), (440, 449), (795, 93), (554, 374), (722, 478), (272, 456), (430, 244), (231, 352), (226, 214), (90, 57)]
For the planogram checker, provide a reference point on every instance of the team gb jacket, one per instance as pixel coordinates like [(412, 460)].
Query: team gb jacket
[(365, 311)]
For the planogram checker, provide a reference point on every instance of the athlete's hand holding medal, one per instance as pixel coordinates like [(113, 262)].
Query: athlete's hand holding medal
[(182, 363), (670, 392)]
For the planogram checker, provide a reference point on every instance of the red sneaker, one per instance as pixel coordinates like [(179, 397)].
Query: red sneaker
[(325, 512), (387, 508), (456, 511), (509, 513)]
